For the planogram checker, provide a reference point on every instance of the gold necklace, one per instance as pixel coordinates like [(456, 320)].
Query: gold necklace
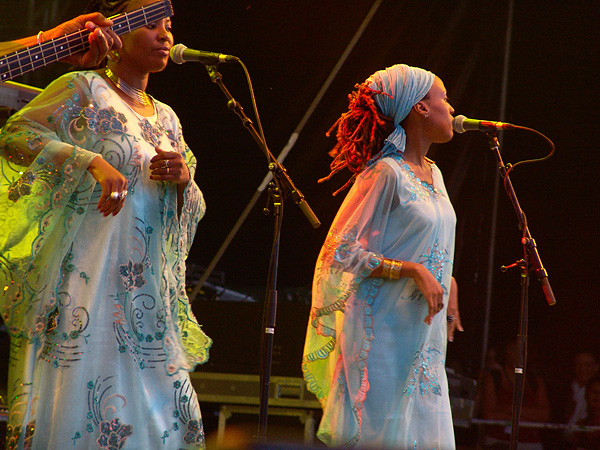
[(134, 93)]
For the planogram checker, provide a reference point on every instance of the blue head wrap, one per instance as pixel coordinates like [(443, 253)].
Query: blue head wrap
[(407, 86)]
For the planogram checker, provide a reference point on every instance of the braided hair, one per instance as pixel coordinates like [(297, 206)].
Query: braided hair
[(361, 132)]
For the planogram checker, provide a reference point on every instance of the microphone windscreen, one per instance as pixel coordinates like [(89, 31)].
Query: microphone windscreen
[(457, 124), (176, 53)]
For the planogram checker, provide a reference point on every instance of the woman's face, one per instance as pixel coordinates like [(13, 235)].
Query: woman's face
[(146, 49), (440, 113)]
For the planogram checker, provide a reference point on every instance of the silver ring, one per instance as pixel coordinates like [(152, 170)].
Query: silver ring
[(115, 195), (451, 318), (166, 163), (122, 195)]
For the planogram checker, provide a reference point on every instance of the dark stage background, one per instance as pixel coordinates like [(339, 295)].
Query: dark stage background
[(290, 48)]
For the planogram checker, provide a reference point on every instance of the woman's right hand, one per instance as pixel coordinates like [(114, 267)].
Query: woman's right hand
[(431, 289), (114, 186)]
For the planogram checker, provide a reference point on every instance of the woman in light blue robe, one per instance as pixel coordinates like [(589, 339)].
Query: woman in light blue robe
[(376, 339), (93, 274)]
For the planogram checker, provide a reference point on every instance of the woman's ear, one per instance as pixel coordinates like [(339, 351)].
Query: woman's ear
[(421, 108)]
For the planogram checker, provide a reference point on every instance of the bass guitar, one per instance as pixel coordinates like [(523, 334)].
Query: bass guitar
[(22, 61)]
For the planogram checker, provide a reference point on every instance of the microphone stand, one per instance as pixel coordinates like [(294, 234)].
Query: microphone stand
[(281, 185), (530, 263)]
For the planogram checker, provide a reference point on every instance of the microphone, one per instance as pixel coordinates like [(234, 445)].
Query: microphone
[(460, 124), (180, 53)]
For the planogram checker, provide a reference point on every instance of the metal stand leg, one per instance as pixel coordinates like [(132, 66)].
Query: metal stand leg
[(224, 414), (309, 427)]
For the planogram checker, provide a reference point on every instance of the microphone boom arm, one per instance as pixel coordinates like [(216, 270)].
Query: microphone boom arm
[(275, 166), (533, 258)]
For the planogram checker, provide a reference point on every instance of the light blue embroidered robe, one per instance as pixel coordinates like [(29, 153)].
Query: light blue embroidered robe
[(377, 368), (102, 331)]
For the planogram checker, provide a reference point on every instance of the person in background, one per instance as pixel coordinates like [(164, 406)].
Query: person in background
[(98, 210), (589, 440), (585, 367), (102, 39), (497, 403), (384, 302)]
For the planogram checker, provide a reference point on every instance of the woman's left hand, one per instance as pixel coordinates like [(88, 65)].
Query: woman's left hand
[(452, 313), (169, 166)]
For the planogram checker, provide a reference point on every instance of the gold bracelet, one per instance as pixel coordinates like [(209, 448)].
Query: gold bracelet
[(40, 36), (385, 268), (391, 269), (395, 270)]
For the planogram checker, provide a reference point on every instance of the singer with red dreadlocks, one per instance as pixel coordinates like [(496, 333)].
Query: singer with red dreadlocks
[(384, 301)]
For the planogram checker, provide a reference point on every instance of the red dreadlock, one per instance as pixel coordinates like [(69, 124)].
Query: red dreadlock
[(360, 133)]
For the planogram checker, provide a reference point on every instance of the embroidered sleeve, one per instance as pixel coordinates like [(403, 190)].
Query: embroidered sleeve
[(42, 166)]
